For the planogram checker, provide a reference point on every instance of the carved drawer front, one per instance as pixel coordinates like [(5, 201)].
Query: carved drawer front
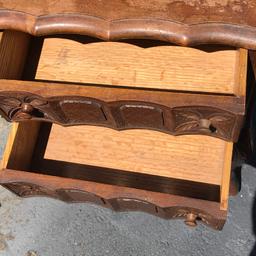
[(142, 115), (121, 115)]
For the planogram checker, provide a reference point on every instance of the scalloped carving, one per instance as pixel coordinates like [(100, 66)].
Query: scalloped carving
[(184, 22), (119, 203), (120, 115)]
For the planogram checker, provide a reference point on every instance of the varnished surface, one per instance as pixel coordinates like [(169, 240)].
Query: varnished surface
[(13, 51), (226, 175), (193, 158), (115, 197), (21, 151), (113, 192), (123, 64), (182, 22), (123, 108), (27, 146)]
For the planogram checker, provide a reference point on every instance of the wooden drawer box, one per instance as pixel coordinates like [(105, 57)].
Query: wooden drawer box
[(149, 93), (123, 86), (169, 176)]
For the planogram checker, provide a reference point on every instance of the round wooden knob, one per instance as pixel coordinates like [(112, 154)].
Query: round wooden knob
[(27, 108), (191, 220)]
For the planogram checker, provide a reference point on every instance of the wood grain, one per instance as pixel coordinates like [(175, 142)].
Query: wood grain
[(117, 198), (9, 146), (123, 108), (180, 22), (28, 155), (226, 176), (13, 51), (171, 99), (21, 149), (241, 72), (123, 64), (193, 158)]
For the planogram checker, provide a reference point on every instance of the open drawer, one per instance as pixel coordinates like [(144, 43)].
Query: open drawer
[(169, 176), (124, 85)]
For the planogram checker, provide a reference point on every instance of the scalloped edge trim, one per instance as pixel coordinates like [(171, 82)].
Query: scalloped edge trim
[(115, 197), (154, 29)]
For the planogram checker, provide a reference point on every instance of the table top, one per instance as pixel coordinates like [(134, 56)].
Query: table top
[(182, 22)]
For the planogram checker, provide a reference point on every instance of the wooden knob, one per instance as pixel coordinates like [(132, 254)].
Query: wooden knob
[(191, 220), (27, 108)]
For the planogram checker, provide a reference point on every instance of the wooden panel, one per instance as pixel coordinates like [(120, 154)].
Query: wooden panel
[(18, 152), (13, 51), (194, 158), (182, 22), (25, 151), (115, 197), (122, 64), (123, 108), (9, 145), (226, 176), (241, 72)]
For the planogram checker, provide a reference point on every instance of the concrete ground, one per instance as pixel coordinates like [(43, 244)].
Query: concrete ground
[(47, 227)]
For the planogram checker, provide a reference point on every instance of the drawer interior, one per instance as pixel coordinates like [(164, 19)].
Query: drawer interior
[(191, 166), (143, 64)]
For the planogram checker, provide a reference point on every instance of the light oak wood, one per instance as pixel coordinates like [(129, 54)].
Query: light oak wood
[(21, 149), (195, 158), (188, 69), (226, 175), (18, 152), (13, 51), (9, 146), (122, 64), (241, 74)]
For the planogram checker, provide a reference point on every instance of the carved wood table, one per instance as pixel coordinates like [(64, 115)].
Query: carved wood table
[(133, 105)]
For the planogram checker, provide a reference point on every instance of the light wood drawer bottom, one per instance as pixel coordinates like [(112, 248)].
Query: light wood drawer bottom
[(185, 176)]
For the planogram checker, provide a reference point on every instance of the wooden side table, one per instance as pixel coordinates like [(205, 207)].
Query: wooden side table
[(108, 109)]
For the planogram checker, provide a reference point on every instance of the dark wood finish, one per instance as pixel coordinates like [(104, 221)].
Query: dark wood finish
[(123, 108), (14, 48), (245, 147), (182, 22), (115, 197)]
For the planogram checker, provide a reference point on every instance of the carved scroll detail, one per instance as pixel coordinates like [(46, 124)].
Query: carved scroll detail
[(24, 107), (204, 119), (120, 115), (191, 215)]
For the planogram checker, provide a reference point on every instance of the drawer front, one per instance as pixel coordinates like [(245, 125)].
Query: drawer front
[(188, 209), (122, 114)]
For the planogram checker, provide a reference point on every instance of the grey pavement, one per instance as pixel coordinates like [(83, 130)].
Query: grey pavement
[(47, 227)]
